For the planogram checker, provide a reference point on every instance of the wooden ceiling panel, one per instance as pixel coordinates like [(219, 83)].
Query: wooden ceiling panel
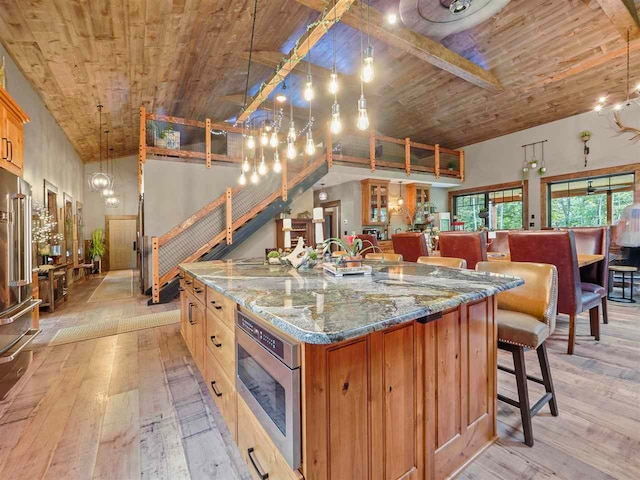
[(188, 58)]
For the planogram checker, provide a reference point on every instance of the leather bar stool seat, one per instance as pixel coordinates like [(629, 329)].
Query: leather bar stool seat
[(521, 328), (444, 262)]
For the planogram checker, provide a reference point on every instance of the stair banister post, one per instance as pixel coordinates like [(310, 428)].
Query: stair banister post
[(329, 148), (372, 150), (461, 165), (155, 270), (229, 217), (207, 141), (437, 160), (407, 155)]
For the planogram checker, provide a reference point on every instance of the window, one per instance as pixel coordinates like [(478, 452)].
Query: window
[(498, 209), (589, 202)]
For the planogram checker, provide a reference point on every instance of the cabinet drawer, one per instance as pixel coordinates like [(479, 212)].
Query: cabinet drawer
[(223, 391), (222, 307), (199, 290), (257, 450), (187, 283), (221, 342)]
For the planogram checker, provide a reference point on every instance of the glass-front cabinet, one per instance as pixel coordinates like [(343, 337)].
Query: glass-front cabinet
[(375, 202)]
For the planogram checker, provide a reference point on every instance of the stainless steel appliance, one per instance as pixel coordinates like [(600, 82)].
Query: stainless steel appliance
[(373, 231), (268, 380), (16, 300)]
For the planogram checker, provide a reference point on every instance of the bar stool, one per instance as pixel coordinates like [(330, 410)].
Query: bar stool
[(623, 270)]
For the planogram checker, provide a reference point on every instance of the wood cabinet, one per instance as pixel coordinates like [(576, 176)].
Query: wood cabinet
[(300, 227), (413, 401), (375, 202), (418, 200), (12, 120)]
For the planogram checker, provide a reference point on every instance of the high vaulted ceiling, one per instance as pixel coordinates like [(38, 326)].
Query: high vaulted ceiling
[(188, 58)]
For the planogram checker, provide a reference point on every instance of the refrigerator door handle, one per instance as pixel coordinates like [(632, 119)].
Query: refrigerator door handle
[(22, 250)]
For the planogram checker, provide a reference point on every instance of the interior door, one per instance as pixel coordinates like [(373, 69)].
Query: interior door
[(122, 237)]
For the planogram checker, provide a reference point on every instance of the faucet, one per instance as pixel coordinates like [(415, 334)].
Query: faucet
[(397, 230)]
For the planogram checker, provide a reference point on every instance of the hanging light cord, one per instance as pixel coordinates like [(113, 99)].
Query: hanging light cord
[(333, 41), (253, 31), (361, 50), (628, 68), (100, 134)]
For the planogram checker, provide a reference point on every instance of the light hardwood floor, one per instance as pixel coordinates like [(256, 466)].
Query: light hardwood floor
[(134, 406)]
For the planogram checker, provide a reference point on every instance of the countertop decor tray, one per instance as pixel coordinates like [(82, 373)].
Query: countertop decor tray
[(339, 271)]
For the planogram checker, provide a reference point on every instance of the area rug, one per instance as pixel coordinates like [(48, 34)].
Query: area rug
[(107, 328), (116, 285)]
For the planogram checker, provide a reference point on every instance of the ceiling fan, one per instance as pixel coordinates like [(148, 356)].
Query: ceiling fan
[(607, 188)]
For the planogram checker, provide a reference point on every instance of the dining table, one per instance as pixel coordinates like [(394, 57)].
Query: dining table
[(584, 260)]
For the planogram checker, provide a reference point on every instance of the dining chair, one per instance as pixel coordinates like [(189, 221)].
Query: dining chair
[(595, 277), (444, 261), (472, 246), (500, 244), (559, 248), (385, 257), (368, 241), (410, 245), (526, 317)]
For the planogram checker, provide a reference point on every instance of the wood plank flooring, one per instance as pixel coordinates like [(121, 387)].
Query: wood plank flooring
[(134, 406)]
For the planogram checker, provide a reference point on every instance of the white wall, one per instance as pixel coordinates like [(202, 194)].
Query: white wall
[(500, 160), (48, 153), (125, 172)]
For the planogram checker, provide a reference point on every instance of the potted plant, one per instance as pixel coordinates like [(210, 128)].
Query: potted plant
[(352, 256), (585, 135), (273, 257), (451, 166), (97, 249)]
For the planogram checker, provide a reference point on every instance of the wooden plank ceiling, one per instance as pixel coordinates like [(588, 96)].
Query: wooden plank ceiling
[(188, 58)]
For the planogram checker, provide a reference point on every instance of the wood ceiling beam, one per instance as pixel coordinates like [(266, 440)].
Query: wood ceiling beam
[(417, 45), (272, 58), (306, 42), (624, 16), (238, 98)]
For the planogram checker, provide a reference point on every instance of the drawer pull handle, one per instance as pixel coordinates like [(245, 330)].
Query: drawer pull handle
[(180, 289), (188, 282), (213, 340), (263, 476), (181, 277), (197, 290), (215, 390), (217, 307)]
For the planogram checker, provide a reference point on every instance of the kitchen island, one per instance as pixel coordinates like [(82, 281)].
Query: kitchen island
[(397, 370)]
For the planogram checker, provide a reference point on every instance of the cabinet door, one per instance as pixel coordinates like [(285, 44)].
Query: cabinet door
[(383, 203), (14, 133), (373, 203), (198, 332)]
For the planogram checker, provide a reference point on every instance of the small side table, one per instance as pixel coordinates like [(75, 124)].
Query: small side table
[(623, 270)]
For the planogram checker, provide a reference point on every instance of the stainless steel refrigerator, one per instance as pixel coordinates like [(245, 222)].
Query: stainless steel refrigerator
[(16, 299)]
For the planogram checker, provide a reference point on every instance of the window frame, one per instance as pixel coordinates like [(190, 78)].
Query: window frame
[(488, 189)]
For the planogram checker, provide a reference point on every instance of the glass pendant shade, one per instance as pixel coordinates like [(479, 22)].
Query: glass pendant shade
[(363, 119), (99, 181), (112, 202), (262, 167), (367, 65), (264, 138), (245, 166), (254, 177), (310, 147), (291, 150), (273, 141), (336, 123), (242, 180), (107, 192), (333, 81), (323, 195), (308, 89), (251, 142), (277, 166)]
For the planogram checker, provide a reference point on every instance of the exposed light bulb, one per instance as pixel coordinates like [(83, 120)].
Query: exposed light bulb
[(400, 201), (291, 150), (308, 89), (243, 179), (264, 138), (245, 165), (598, 108), (363, 119), (273, 141), (107, 192), (254, 177), (392, 19), (367, 65), (333, 81), (291, 136), (281, 97), (251, 142), (277, 166), (336, 124), (618, 107), (602, 99), (310, 147), (262, 167), (322, 195)]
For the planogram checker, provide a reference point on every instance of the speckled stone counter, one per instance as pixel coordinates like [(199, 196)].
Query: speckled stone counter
[(318, 308)]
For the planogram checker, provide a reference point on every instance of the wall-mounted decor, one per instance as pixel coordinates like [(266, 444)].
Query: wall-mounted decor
[(68, 226), (534, 163), (80, 231), (585, 136)]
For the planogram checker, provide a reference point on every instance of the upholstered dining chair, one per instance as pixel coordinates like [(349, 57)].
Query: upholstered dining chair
[(500, 244), (444, 262), (367, 241), (595, 277), (559, 248), (472, 246), (385, 257), (526, 317), (410, 245)]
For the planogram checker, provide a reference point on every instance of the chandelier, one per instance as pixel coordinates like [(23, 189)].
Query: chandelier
[(99, 180)]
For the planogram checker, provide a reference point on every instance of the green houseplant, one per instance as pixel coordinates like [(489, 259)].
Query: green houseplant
[(352, 252), (451, 165), (96, 249)]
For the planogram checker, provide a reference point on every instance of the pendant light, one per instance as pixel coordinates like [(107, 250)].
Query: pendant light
[(262, 168), (281, 96), (362, 122), (108, 190), (113, 200), (277, 166), (533, 163), (273, 141), (264, 138), (242, 180), (291, 136), (308, 86), (322, 195), (367, 64), (310, 146), (400, 199), (333, 77), (99, 180)]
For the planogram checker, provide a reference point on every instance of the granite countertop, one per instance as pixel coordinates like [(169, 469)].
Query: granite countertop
[(318, 308)]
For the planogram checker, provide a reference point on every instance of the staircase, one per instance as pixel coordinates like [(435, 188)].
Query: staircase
[(221, 226)]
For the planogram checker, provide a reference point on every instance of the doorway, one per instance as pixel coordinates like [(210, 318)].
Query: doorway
[(121, 235), (331, 215)]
